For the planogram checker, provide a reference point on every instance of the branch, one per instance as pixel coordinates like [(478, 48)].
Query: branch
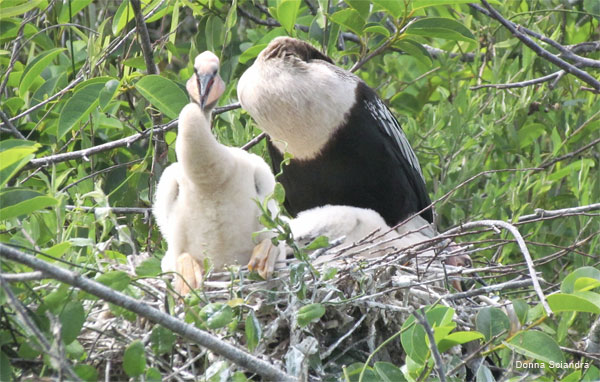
[(86, 153), (254, 141), (435, 352), (521, 84), (522, 246), (489, 289), (116, 210), (24, 318), (20, 277), (540, 213), (569, 155), (516, 29), (11, 127), (144, 37), (211, 342)]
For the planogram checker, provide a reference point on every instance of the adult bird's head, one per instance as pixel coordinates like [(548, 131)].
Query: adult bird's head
[(206, 86)]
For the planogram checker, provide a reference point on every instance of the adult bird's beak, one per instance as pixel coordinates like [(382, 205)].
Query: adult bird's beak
[(205, 83)]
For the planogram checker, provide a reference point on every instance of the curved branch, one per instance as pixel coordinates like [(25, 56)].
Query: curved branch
[(522, 246), (214, 344)]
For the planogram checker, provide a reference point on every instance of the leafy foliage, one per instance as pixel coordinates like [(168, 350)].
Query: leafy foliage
[(86, 131)]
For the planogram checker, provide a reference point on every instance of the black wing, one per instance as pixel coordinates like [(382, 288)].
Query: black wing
[(390, 128)]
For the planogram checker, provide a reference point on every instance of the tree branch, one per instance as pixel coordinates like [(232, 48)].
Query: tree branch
[(540, 213), (522, 246), (435, 352), (216, 345), (521, 84), (516, 29), (144, 37)]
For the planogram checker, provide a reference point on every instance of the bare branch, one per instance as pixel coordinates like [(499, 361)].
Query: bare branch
[(435, 352), (254, 141), (516, 29), (116, 210), (20, 277), (14, 131), (216, 345), (21, 312), (521, 84), (522, 246), (570, 155), (514, 284), (144, 37), (540, 213)]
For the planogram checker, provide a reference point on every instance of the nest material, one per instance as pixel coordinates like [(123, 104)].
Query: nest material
[(367, 301)]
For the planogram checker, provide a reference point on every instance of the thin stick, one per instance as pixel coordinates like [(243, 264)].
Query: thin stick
[(522, 246), (435, 352), (216, 345)]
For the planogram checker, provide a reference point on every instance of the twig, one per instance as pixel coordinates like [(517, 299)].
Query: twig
[(30, 324), (540, 213), (516, 31), (11, 127), (569, 155), (116, 210), (435, 352), (20, 277), (216, 345), (521, 84), (254, 141), (522, 246), (144, 37), (337, 343), (489, 289)]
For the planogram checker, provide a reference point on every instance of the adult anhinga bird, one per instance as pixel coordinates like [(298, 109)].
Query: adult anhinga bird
[(347, 147), (205, 203)]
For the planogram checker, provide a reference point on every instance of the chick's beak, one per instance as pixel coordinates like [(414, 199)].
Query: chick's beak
[(205, 83)]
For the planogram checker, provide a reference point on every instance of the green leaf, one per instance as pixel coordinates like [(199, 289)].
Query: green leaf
[(441, 27), (87, 373), (394, 7), (163, 93), (417, 4), (123, 15), (76, 6), (108, 92), (36, 67), (16, 8), (571, 168), (27, 202), (71, 318), (214, 33), (575, 302), (319, 242), (253, 331), (149, 268), (361, 6), (458, 338), (388, 372), (134, 359), (568, 284), (153, 375), (377, 29), (310, 313), (117, 280), (413, 340), (583, 284), (349, 18), (536, 344), (414, 49), (216, 315), (80, 105), (287, 12), (251, 53), (14, 154), (491, 321), (529, 133), (279, 193), (5, 368), (521, 308), (162, 340)]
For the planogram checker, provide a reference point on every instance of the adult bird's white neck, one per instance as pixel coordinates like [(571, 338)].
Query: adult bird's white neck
[(278, 82)]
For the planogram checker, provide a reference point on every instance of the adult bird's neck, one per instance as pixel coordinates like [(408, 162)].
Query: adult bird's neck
[(206, 162)]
